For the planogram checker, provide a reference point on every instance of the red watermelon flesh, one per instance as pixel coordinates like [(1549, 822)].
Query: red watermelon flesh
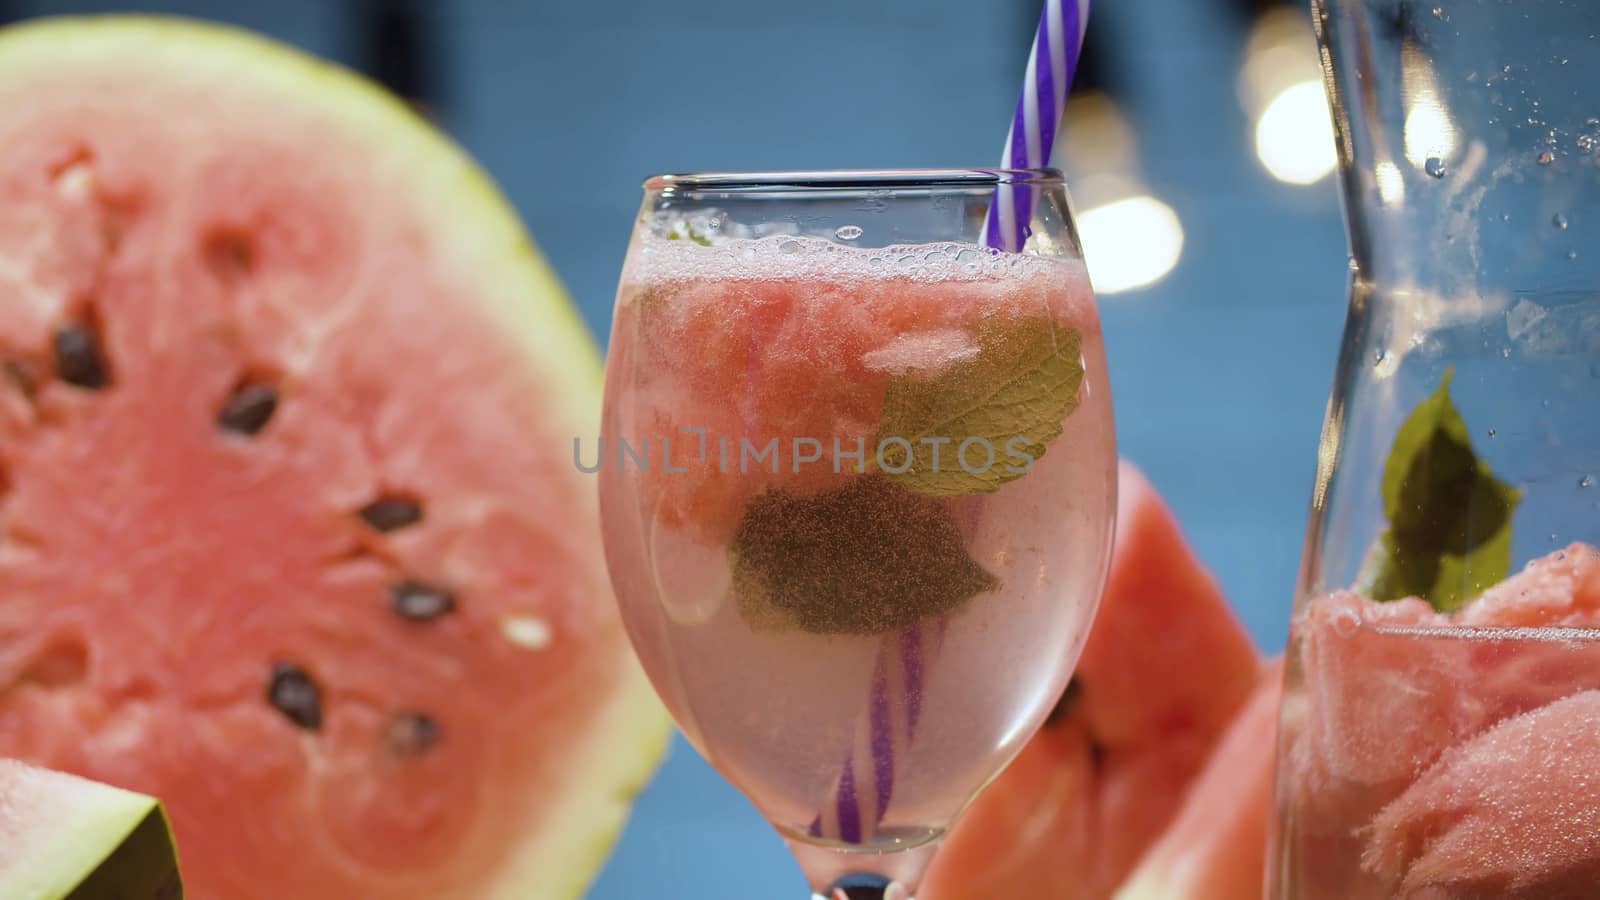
[(1352, 762), (1390, 693), (1215, 848), (1513, 813), (290, 536), (1166, 668)]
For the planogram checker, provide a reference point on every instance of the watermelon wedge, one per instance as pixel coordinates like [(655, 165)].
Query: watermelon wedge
[(1166, 668), (1215, 847), (67, 838), (290, 534)]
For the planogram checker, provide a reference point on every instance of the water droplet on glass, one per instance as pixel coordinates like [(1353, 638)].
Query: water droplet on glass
[(847, 232), (1559, 221), (1586, 481), (1434, 166), (1492, 432), (1546, 158), (1572, 254)]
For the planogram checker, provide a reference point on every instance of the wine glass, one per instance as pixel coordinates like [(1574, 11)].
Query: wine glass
[(857, 479)]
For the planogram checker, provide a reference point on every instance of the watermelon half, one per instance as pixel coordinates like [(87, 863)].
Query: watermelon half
[(290, 535)]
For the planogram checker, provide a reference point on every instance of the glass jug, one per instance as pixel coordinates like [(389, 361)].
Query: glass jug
[(1440, 732)]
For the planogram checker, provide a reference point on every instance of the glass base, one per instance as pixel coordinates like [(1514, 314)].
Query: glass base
[(864, 887), (837, 872)]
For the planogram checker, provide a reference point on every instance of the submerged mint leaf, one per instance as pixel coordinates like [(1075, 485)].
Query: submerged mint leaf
[(1449, 534), (683, 231), (864, 558), (1009, 400)]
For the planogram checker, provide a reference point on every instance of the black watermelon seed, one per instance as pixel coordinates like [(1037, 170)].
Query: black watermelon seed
[(411, 734), (79, 359), (389, 513), (296, 695), (249, 409), (1064, 706), (420, 602)]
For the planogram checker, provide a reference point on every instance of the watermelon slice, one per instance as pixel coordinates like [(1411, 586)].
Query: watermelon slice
[(290, 533), (1215, 847), (67, 838), (1166, 668)]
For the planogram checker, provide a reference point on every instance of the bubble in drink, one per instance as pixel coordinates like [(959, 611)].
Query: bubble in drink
[(1546, 158), (847, 232), (1434, 167), (1559, 221)]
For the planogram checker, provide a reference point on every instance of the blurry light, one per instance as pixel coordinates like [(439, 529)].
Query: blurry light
[(1294, 136), (1281, 51), (1391, 183), (1429, 131), (1130, 243), (1096, 136)]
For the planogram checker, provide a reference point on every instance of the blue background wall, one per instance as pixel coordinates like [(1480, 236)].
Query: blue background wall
[(1219, 372)]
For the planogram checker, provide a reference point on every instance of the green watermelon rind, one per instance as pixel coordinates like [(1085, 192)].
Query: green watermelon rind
[(629, 740), (70, 838)]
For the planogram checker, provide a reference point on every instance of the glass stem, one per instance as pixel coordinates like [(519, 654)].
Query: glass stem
[(865, 887)]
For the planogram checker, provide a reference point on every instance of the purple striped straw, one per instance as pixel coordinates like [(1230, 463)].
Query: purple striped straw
[(860, 795), (859, 798), (1056, 46)]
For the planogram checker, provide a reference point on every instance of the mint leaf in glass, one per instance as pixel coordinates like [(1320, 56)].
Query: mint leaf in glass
[(864, 558), (683, 231), (1009, 400), (1449, 534)]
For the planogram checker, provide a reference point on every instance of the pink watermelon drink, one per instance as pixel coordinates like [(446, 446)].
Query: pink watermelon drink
[(1439, 737), (859, 633), (1487, 790)]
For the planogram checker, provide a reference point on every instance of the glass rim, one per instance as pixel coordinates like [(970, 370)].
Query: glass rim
[(805, 181)]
